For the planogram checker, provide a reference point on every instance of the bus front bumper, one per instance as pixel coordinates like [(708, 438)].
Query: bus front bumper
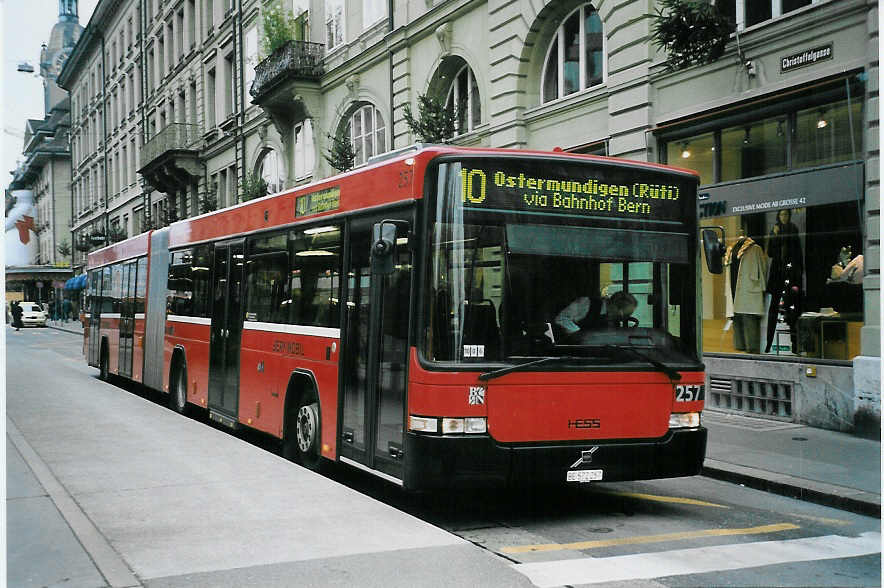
[(443, 461)]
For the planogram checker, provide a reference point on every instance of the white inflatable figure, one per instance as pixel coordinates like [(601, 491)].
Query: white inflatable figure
[(21, 241)]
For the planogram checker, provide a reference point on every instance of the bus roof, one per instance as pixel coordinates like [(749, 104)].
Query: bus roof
[(392, 177)]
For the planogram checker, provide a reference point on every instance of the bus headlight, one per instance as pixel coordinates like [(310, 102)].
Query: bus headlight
[(423, 424), (450, 425), (684, 420)]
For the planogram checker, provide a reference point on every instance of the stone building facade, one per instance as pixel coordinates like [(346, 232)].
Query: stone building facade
[(786, 119)]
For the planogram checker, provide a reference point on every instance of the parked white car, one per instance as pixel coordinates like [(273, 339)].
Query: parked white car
[(33, 314)]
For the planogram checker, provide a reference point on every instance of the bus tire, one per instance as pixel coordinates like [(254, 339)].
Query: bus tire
[(103, 360), (303, 433), (178, 389)]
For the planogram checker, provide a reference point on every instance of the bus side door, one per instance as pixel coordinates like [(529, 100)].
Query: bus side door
[(226, 331), (375, 345)]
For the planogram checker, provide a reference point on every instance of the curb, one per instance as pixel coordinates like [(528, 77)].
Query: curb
[(840, 497), (66, 330)]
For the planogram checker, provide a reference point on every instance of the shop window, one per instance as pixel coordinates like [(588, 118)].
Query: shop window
[(805, 138), (696, 153), (367, 133), (575, 59), (792, 284), (828, 134), (753, 150)]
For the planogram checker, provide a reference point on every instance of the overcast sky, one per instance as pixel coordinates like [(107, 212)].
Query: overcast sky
[(26, 26)]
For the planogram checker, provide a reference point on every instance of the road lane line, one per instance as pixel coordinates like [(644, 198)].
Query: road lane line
[(680, 536), (109, 563), (701, 560), (671, 499)]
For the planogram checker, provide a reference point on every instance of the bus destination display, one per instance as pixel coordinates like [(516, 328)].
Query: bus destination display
[(570, 189), (316, 202)]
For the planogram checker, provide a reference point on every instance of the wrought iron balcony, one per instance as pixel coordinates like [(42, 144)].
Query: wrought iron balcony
[(175, 137), (296, 60), (170, 160)]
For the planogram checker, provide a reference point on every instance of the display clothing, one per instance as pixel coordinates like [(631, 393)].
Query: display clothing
[(745, 280), (784, 281)]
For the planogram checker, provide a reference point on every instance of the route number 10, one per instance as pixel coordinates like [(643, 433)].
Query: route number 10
[(468, 181)]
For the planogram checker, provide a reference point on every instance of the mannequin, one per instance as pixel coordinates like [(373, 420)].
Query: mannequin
[(786, 270), (745, 281)]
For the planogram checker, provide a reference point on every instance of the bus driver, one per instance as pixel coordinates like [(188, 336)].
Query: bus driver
[(593, 313)]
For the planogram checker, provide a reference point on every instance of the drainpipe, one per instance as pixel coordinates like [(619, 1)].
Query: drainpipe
[(104, 136), (392, 107)]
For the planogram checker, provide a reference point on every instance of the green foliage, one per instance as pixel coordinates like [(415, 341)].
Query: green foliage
[(253, 186), (64, 249), (434, 122), (279, 28), (116, 234), (691, 32), (340, 154), (208, 202)]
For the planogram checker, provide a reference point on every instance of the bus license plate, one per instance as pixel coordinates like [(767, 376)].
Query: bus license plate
[(584, 475)]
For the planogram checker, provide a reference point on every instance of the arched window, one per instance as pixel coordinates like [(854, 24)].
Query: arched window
[(463, 101), (367, 133), (271, 171), (576, 57)]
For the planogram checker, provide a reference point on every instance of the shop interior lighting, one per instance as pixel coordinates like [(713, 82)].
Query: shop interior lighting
[(747, 139), (822, 122), (685, 152)]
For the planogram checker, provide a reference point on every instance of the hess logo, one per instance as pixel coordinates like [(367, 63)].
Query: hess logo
[(584, 423)]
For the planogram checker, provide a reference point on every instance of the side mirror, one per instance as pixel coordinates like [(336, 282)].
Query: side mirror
[(383, 247), (713, 248)]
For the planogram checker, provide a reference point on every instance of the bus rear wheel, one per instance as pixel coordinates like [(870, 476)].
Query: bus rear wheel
[(302, 439), (178, 390), (103, 368)]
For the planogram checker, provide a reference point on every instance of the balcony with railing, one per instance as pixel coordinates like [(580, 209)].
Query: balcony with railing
[(170, 159), (294, 62)]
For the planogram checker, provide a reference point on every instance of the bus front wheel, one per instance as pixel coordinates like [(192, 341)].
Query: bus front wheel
[(302, 439)]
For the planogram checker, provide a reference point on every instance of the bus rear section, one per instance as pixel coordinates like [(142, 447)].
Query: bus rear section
[(558, 336)]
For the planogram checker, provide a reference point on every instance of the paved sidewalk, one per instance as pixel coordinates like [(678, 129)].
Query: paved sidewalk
[(72, 326), (825, 467)]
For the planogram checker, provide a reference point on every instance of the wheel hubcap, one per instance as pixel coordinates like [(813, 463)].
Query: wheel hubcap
[(306, 427)]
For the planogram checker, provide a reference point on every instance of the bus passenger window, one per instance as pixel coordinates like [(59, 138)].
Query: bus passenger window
[(315, 276), (180, 293), (266, 288)]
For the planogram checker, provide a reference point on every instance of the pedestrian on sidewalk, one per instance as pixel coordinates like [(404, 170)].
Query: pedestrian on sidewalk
[(66, 309), (16, 315)]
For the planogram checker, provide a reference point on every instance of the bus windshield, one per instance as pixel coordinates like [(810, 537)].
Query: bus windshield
[(513, 281)]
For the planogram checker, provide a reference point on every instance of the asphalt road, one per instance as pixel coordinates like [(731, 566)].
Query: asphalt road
[(176, 502)]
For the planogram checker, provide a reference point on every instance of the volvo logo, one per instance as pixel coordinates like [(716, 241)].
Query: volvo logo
[(585, 457)]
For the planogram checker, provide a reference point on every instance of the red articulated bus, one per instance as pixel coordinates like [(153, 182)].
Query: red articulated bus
[(442, 316)]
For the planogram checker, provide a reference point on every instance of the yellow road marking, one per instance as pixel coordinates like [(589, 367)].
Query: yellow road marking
[(821, 519), (673, 499), (651, 538)]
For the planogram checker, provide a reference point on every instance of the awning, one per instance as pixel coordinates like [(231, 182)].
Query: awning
[(76, 283)]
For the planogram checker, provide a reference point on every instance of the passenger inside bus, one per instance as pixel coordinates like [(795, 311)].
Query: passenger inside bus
[(595, 312)]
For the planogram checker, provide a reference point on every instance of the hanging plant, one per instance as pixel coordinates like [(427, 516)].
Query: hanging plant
[(691, 32)]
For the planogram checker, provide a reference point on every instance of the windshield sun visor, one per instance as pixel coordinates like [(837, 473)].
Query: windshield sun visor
[(595, 242)]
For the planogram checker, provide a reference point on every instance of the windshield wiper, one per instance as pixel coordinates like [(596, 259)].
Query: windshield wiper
[(514, 368), (671, 372)]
